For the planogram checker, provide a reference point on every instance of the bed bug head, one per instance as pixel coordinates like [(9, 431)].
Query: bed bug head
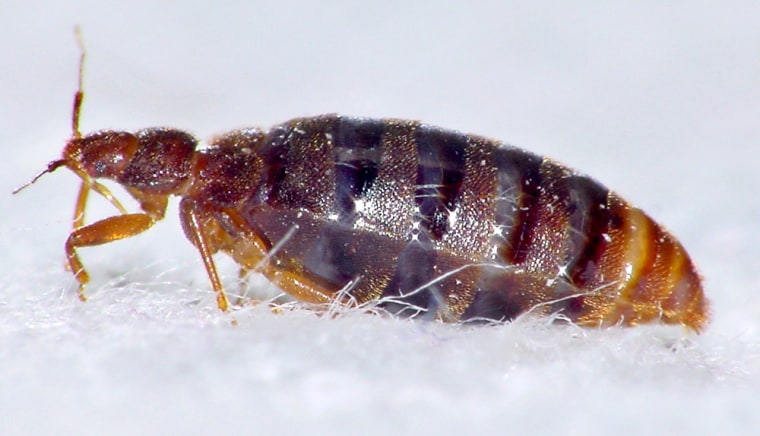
[(97, 155), (157, 162), (149, 162), (90, 157), (153, 161)]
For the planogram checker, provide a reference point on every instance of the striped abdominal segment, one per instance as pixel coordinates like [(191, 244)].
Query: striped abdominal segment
[(458, 227)]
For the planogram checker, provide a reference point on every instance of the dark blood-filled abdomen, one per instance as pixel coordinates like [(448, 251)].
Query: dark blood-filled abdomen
[(456, 226)]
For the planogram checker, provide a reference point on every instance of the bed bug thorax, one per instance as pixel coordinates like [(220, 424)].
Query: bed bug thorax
[(407, 216)]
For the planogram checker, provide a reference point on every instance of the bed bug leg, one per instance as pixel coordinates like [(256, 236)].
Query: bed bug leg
[(242, 285), (78, 221), (255, 255), (242, 298), (299, 287), (84, 192), (101, 232), (194, 226)]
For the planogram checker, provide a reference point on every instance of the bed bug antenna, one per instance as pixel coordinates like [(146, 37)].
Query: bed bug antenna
[(52, 166), (78, 97)]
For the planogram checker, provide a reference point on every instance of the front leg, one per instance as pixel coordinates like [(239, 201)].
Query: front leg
[(101, 232)]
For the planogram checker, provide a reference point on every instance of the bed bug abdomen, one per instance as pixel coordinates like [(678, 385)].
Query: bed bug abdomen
[(428, 220)]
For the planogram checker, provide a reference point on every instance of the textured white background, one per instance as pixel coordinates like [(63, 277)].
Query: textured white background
[(661, 103)]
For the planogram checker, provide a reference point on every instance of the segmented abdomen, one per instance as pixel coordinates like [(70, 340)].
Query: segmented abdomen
[(461, 227)]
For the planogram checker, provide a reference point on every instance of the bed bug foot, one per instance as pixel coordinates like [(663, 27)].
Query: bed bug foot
[(81, 294), (222, 302)]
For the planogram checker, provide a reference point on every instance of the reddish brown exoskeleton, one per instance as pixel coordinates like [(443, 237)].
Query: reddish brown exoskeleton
[(413, 217)]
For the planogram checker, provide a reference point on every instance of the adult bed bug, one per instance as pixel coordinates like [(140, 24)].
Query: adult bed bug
[(418, 219)]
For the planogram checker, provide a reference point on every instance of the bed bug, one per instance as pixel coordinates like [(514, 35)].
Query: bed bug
[(418, 219)]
